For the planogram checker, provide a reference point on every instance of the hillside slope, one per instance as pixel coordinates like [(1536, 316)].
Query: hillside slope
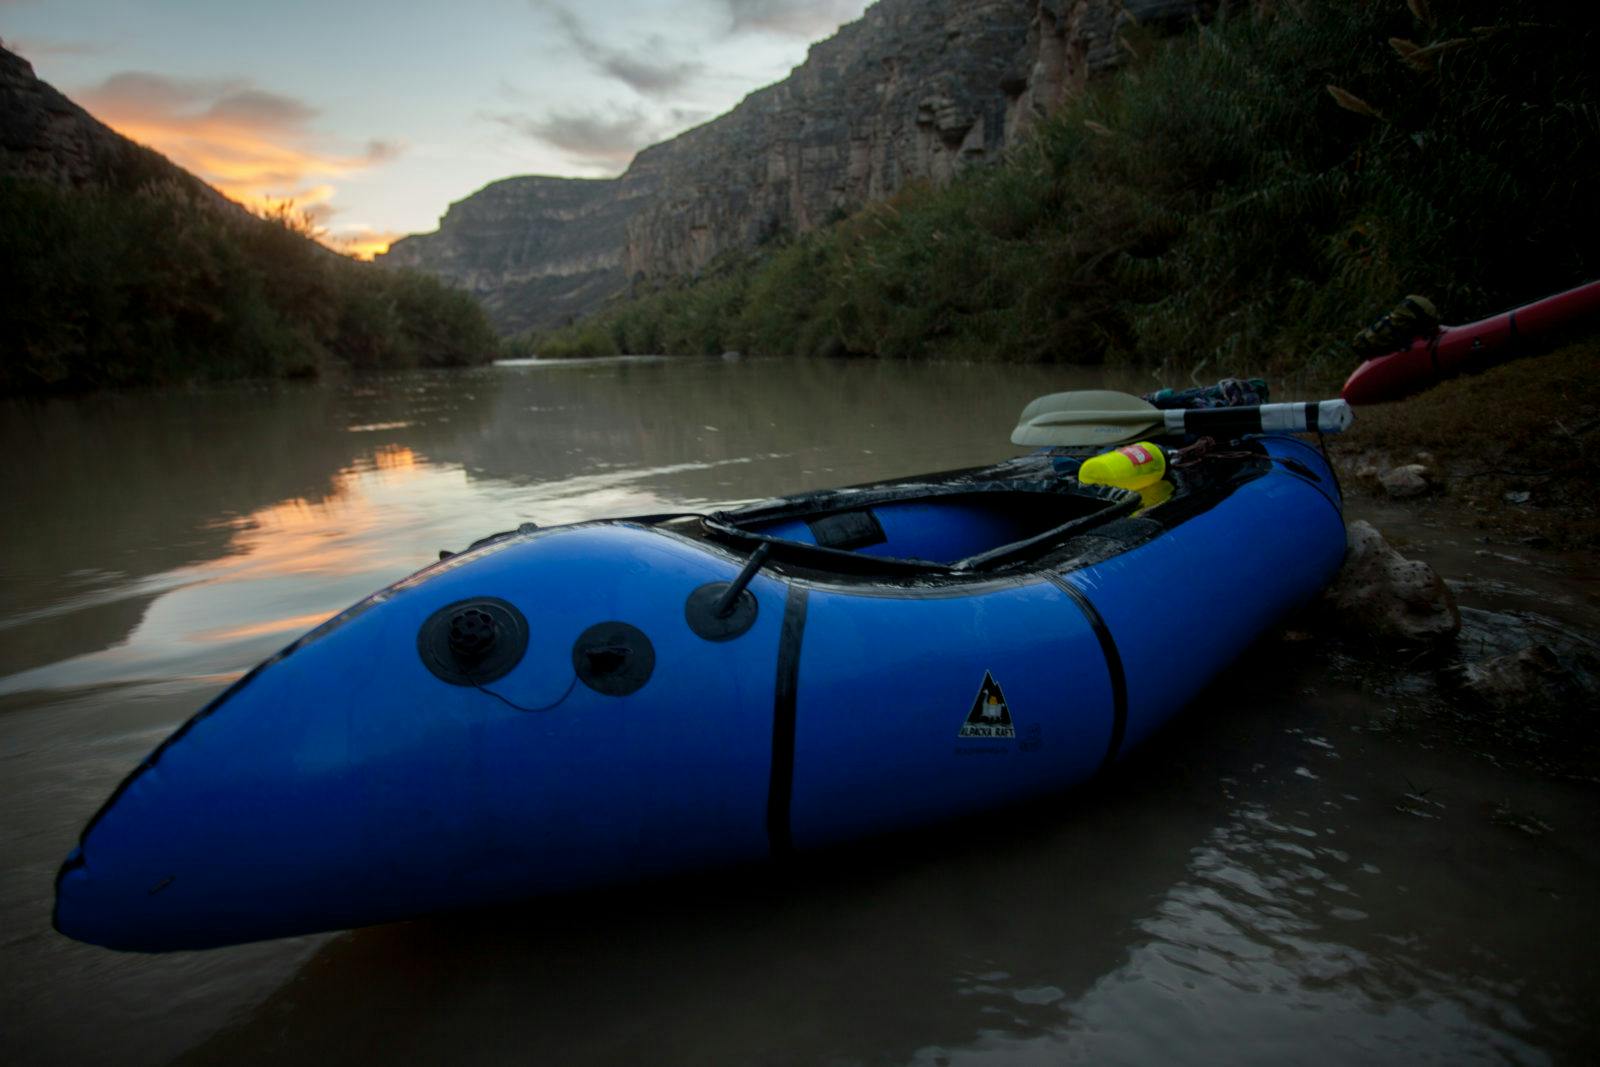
[(119, 268)]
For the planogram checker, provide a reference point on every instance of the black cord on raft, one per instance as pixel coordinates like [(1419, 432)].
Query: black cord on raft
[(518, 707)]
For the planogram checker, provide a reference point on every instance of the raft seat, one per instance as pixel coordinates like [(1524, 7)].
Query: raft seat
[(940, 529)]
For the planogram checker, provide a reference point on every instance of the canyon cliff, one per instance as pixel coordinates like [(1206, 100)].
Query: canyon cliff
[(535, 251), (913, 91)]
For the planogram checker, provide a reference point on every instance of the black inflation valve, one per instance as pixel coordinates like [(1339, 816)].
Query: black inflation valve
[(473, 642), (721, 611), (614, 658)]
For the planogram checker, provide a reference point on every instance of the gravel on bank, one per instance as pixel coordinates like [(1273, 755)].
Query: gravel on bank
[(1512, 451)]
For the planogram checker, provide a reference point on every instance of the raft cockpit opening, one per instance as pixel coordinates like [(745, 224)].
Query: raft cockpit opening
[(951, 527)]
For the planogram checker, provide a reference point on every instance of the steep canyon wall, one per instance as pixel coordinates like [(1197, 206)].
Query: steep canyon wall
[(913, 91)]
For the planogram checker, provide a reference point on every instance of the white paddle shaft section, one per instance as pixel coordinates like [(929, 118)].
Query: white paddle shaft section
[(1317, 416), (1102, 417)]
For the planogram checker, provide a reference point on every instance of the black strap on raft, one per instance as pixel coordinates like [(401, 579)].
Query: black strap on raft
[(1333, 470), (785, 701)]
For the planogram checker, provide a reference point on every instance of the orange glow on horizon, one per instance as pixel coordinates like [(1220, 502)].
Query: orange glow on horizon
[(364, 244), (261, 162)]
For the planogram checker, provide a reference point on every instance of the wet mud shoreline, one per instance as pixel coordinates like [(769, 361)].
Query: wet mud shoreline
[(1490, 481)]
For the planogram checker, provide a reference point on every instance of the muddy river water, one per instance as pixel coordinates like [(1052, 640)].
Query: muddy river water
[(1310, 865)]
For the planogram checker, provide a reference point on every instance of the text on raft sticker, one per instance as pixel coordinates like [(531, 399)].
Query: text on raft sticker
[(989, 717)]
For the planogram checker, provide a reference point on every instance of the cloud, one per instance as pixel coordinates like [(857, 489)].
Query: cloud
[(48, 47), (649, 70), (591, 138), (811, 19), (256, 146), (382, 151), (685, 117), (260, 110)]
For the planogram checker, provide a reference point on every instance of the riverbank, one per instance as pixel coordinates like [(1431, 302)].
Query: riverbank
[(1511, 452), (1488, 481)]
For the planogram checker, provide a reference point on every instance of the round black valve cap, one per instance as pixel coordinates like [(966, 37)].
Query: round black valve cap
[(473, 642), (472, 633), (614, 658)]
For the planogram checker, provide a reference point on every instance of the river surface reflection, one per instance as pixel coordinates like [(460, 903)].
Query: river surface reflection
[(1281, 876)]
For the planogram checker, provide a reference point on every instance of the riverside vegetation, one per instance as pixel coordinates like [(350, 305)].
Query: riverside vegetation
[(1240, 198), (146, 278)]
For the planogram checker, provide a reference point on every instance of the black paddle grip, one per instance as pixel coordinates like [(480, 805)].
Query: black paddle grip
[(1222, 422)]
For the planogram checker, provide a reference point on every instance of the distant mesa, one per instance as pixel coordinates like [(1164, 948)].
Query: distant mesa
[(535, 251)]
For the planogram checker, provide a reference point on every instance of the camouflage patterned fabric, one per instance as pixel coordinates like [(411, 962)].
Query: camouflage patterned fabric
[(1228, 393), (1413, 317)]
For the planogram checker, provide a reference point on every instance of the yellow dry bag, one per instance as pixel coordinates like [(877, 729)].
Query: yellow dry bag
[(1135, 466)]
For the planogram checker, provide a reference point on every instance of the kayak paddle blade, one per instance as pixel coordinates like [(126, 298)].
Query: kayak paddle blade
[(1084, 417)]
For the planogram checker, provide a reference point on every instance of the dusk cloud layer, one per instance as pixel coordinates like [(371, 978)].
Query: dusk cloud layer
[(794, 18), (34, 48), (648, 71), (589, 138), (254, 145), (660, 68), (475, 90)]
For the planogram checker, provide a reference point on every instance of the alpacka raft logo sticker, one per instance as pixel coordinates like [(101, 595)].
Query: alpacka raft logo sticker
[(990, 717)]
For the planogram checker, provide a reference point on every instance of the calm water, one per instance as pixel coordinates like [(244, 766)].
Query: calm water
[(1305, 867)]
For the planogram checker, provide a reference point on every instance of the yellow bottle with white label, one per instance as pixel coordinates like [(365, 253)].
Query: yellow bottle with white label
[(1136, 466)]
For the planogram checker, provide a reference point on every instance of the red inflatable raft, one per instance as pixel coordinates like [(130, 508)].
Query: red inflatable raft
[(1457, 349)]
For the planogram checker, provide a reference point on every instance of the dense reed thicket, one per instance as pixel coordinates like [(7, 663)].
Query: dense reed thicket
[(148, 279), (1245, 196)]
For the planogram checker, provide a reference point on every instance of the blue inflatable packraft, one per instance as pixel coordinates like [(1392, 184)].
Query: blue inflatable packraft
[(617, 700)]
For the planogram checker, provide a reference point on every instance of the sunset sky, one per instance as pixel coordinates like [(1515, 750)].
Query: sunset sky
[(375, 115)]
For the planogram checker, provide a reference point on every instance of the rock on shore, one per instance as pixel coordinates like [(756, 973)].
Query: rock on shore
[(1381, 593)]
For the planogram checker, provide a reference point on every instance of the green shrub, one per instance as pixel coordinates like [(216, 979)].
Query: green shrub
[(119, 285)]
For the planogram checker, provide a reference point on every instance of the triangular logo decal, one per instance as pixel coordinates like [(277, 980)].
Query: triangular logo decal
[(990, 716)]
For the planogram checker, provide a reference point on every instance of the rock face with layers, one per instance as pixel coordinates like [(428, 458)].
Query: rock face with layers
[(910, 92), (913, 91), (535, 251), (1070, 41)]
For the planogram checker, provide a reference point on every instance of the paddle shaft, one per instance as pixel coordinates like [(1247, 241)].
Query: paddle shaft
[(1317, 416)]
